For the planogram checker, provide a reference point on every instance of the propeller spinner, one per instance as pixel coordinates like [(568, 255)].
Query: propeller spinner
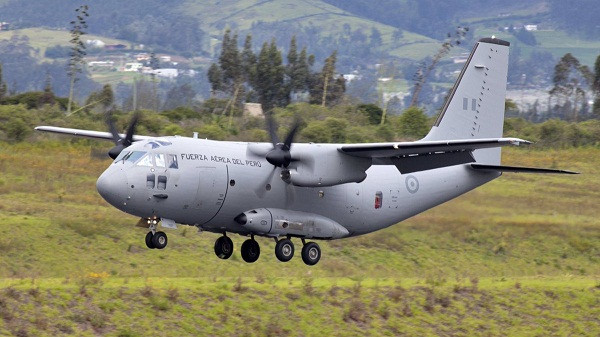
[(280, 155), (120, 142)]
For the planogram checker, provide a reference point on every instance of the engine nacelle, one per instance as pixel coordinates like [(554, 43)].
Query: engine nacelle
[(276, 221), (321, 165)]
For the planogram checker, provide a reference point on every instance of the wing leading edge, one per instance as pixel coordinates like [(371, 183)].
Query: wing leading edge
[(411, 157), (85, 133)]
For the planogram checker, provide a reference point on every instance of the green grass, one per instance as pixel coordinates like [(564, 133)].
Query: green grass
[(312, 12), (556, 42), (41, 38), (519, 256)]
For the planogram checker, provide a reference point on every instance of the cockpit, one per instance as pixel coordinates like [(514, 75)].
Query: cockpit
[(149, 159)]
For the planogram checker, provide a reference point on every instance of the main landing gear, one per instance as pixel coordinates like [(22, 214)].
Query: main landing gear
[(284, 250)]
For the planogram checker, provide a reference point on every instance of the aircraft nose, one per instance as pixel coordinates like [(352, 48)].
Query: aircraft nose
[(112, 186)]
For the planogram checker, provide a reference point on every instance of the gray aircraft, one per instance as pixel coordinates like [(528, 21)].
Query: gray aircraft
[(284, 190)]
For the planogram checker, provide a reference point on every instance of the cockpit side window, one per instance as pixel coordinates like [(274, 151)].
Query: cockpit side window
[(146, 160), (159, 160), (172, 161), (121, 156)]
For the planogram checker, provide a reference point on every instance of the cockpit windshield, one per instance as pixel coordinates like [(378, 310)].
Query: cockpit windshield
[(144, 158), (133, 156)]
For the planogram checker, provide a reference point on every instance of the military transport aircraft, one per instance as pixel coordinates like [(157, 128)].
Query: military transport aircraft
[(284, 190)]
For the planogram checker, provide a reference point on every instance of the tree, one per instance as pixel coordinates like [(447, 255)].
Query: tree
[(327, 89), (2, 85), (571, 78), (248, 61), (413, 123), (375, 38), (48, 97), (215, 77), (270, 77), (595, 87), (179, 96), (154, 64), (425, 70), (78, 52)]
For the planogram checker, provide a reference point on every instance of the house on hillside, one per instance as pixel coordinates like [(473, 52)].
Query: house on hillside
[(95, 43), (133, 66)]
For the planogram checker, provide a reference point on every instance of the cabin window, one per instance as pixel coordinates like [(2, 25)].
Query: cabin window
[(378, 200)]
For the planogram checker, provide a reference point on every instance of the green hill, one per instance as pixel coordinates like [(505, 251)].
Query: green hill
[(522, 251)]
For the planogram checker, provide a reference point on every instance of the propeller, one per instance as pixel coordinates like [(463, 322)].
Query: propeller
[(280, 155), (120, 142)]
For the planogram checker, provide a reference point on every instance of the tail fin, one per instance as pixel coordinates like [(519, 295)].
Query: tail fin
[(475, 107)]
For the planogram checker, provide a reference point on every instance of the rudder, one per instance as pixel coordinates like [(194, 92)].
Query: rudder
[(475, 107)]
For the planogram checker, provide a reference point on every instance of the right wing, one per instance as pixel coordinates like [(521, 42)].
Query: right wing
[(86, 133), (416, 156)]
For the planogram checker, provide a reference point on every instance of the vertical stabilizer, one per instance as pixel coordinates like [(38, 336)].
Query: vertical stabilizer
[(475, 107)]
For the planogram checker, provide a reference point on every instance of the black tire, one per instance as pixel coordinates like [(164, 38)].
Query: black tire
[(250, 250), (311, 253), (284, 250), (223, 247), (149, 243), (159, 240)]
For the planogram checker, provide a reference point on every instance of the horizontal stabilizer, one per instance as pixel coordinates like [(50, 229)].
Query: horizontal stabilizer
[(518, 169)]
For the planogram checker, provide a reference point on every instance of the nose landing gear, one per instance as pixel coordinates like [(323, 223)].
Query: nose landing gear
[(156, 240)]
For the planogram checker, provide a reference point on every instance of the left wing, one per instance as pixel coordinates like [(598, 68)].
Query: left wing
[(85, 133), (425, 155)]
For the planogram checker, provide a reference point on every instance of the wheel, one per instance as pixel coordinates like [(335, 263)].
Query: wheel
[(284, 250), (159, 240), (250, 250), (149, 243), (223, 247), (311, 253)]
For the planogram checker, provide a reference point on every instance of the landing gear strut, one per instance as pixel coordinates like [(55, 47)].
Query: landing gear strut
[(250, 250), (224, 247), (284, 250)]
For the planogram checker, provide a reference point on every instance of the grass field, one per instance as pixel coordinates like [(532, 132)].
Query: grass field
[(519, 256), (41, 38)]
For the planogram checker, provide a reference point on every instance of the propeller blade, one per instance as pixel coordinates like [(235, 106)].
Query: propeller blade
[(272, 131), (131, 130), (290, 195), (262, 188), (290, 137), (112, 128)]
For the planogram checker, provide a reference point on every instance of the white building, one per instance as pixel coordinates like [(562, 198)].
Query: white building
[(95, 43), (133, 66), (531, 28)]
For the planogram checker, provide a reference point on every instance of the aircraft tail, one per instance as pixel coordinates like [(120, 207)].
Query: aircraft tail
[(475, 107)]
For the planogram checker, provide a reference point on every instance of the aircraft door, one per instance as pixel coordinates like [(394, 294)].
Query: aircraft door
[(211, 193)]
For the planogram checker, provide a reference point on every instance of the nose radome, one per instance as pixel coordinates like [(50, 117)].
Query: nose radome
[(112, 186)]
